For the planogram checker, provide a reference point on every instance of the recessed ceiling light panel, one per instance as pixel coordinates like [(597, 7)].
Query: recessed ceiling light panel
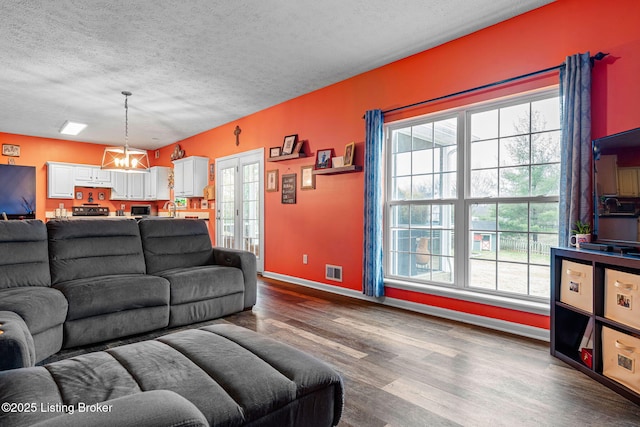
[(72, 128)]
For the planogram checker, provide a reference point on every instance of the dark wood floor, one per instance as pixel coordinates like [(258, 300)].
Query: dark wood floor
[(407, 369)]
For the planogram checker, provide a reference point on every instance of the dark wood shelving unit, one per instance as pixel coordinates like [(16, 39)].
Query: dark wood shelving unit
[(568, 323), (337, 171)]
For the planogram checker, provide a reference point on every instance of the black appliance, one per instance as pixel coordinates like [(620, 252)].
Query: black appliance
[(139, 211), (90, 210), (18, 191)]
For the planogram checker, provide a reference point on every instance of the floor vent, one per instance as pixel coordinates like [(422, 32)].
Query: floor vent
[(333, 272)]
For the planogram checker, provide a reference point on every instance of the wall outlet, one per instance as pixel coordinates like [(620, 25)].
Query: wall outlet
[(333, 272), (123, 206), (305, 259)]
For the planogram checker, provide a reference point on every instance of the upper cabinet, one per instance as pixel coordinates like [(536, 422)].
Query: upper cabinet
[(60, 183), (156, 183), (191, 175), (153, 185), (628, 182), (128, 186), (607, 177), (92, 176)]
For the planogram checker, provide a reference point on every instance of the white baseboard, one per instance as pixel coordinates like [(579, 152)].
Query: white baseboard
[(473, 319)]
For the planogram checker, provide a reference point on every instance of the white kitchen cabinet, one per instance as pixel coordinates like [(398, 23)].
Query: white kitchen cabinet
[(60, 180), (92, 176), (607, 175), (191, 175), (156, 183), (628, 182), (128, 186)]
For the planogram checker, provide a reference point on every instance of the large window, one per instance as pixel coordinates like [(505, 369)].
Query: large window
[(472, 197)]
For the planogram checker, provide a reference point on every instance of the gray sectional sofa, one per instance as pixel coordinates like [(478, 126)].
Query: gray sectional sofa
[(73, 283)]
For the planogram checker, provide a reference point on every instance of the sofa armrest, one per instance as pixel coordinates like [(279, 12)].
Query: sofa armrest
[(244, 260), (157, 408), (17, 349)]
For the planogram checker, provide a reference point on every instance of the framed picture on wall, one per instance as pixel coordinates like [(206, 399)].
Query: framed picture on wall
[(272, 180), (289, 144), (298, 147), (348, 153), (274, 151), (10, 150), (307, 178), (289, 189), (323, 158)]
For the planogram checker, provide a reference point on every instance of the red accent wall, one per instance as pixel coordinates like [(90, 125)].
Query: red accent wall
[(326, 223)]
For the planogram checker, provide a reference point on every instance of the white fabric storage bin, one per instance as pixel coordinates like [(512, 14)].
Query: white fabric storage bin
[(620, 353), (576, 285), (622, 297)]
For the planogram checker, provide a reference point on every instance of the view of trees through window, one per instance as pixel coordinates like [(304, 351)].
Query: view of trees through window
[(507, 192)]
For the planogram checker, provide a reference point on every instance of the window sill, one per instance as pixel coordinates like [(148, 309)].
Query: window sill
[(471, 296)]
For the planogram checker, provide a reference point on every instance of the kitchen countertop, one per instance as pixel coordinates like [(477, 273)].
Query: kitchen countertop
[(179, 214)]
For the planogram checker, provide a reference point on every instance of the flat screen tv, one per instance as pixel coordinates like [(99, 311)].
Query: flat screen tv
[(17, 191), (616, 196)]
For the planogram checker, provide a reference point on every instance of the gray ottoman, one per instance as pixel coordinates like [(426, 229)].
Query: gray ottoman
[(232, 375)]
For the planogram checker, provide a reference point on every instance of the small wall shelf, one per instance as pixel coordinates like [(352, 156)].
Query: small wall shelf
[(286, 157), (336, 171)]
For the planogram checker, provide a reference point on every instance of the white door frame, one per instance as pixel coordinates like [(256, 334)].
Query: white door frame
[(238, 160)]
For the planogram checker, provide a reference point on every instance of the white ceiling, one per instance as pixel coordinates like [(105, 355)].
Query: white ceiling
[(193, 65)]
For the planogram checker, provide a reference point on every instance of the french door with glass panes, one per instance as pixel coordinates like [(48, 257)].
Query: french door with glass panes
[(240, 204)]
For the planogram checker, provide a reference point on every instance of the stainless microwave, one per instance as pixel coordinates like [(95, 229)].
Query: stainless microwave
[(141, 210)]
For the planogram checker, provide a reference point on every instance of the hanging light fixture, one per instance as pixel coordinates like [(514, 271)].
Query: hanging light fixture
[(125, 158)]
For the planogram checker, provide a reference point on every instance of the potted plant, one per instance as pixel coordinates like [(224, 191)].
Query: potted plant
[(581, 234)]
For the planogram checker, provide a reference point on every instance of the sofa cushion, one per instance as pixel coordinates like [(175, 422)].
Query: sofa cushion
[(81, 249), (175, 243), (25, 259), (40, 308), (17, 349), (200, 283), (108, 294)]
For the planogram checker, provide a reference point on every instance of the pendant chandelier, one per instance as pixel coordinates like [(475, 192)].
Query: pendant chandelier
[(125, 158)]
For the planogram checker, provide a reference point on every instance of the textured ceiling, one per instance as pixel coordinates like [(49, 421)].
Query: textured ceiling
[(193, 65)]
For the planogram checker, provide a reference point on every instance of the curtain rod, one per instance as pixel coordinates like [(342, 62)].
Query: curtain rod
[(597, 57)]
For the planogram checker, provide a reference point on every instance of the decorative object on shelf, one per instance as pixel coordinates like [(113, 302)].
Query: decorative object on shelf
[(237, 131), (581, 234), (337, 162), (209, 192), (10, 150), (298, 147), (275, 151), (170, 178), (178, 153), (323, 158), (272, 180), (289, 144), (349, 150), (289, 189), (307, 178), (125, 158)]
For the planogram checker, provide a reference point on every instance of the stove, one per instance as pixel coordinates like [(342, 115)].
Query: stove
[(90, 210)]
